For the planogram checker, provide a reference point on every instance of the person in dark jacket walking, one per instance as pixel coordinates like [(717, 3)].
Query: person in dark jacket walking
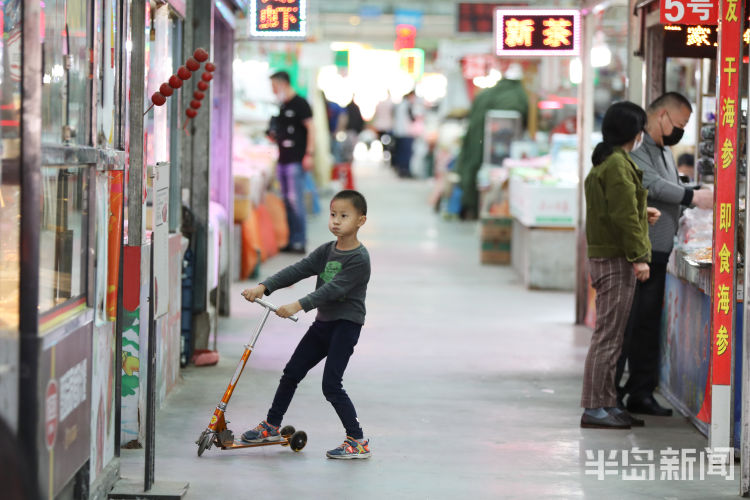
[(619, 252)]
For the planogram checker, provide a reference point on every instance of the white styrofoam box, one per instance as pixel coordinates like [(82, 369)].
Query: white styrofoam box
[(541, 205)]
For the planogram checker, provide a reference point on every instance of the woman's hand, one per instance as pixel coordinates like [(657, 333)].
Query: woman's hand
[(254, 293), (653, 215), (641, 270), (289, 310)]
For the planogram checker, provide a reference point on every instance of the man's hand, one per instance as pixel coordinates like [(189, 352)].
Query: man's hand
[(703, 198), (289, 310), (653, 215), (308, 162), (254, 293), (641, 270)]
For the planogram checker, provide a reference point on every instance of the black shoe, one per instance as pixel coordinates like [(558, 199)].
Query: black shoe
[(648, 406), (633, 421), (608, 422)]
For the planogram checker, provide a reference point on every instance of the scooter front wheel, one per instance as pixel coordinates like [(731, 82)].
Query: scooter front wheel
[(204, 442)]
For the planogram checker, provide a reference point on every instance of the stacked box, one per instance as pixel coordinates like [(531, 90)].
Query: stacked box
[(496, 239)]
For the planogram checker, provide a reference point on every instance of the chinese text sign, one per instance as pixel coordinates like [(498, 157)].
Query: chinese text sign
[(537, 32), (729, 61), (279, 18)]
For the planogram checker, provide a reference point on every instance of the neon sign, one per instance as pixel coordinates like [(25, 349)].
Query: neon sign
[(531, 32), (278, 18)]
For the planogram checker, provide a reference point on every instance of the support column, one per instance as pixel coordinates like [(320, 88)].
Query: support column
[(585, 128), (199, 33), (31, 172)]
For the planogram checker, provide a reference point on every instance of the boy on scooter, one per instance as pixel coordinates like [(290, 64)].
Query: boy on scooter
[(343, 270)]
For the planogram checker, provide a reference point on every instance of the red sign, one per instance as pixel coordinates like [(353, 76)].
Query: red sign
[(50, 413), (477, 17), (551, 32), (689, 11), (729, 61), (278, 18)]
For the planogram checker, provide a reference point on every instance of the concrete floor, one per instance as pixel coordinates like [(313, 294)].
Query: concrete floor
[(467, 384)]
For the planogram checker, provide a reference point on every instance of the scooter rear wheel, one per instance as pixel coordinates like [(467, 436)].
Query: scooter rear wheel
[(204, 442), (298, 440)]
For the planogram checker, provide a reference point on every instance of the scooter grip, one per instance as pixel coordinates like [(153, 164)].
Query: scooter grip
[(274, 308)]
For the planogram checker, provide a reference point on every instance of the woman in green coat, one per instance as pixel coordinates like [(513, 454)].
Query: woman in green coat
[(619, 252)]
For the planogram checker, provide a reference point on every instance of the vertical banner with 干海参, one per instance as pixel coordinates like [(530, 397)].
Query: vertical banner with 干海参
[(728, 121)]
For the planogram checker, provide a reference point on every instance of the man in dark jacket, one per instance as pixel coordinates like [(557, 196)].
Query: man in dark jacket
[(667, 117), (507, 94)]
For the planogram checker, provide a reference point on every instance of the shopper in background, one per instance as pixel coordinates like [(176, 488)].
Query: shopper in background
[(405, 119), (667, 117), (507, 94), (686, 166), (350, 125), (293, 130), (382, 122), (619, 252)]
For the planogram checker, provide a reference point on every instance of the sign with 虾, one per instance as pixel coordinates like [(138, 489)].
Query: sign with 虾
[(689, 11), (532, 32), (278, 18)]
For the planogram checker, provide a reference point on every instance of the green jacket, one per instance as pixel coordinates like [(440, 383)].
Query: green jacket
[(616, 217), (505, 95)]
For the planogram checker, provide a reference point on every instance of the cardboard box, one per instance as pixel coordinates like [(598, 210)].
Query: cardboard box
[(495, 252), (243, 207), (497, 228)]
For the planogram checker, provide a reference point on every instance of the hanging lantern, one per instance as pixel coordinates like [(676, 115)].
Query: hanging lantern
[(207, 76), (202, 85), (210, 67), (199, 95)]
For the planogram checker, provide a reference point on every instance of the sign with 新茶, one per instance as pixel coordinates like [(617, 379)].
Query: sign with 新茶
[(689, 11), (531, 32), (278, 18)]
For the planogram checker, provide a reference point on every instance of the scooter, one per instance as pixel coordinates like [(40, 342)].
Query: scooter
[(217, 432)]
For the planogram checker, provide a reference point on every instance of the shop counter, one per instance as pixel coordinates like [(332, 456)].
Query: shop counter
[(544, 257), (685, 351), (543, 249)]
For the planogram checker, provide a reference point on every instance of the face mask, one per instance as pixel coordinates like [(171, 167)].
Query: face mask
[(675, 136)]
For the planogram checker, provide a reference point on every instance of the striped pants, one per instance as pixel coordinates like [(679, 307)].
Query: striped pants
[(614, 282)]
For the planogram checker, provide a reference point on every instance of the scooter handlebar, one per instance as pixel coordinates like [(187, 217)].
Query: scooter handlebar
[(273, 308)]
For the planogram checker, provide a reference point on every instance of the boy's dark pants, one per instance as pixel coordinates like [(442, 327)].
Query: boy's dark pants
[(334, 340)]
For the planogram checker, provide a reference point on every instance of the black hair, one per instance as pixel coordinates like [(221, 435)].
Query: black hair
[(686, 159), (622, 122), (670, 99), (359, 202), (282, 76)]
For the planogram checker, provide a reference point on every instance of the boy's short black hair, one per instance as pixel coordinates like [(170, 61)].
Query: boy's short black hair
[(686, 159), (282, 76), (359, 202)]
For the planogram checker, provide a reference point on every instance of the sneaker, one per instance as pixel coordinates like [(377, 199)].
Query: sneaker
[(263, 433), (351, 448)]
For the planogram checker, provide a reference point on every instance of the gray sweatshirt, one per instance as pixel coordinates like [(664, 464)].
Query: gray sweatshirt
[(342, 282), (665, 191)]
